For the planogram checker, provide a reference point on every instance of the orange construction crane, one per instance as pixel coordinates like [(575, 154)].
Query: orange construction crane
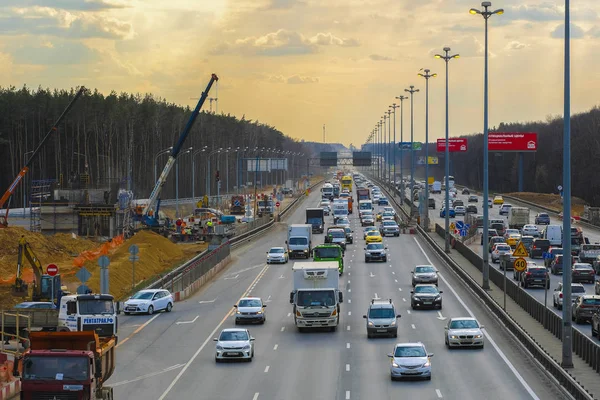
[(5, 199)]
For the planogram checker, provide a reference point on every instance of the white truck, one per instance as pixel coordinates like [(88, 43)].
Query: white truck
[(327, 191), (316, 295), (518, 217), (299, 240), (436, 187)]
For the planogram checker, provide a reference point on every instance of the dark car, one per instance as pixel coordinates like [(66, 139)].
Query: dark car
[(491, 234), (383, 201), (556, 266), (583, 272), (553, 252), (542, 219), (473, 199), (527, 242), (458, 203), (584, 307), (500, 228), (535, 275), (494, 240), (426, 296), (471, 209), (466, 191), (431, 203), (375, 252), (539, 247)]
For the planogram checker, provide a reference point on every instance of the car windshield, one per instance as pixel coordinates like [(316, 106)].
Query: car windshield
[(230, 336), (381, 313), (343, 221), (464, 324), (412, 351), (338, 233), (249, 303), (389, 223), (421, 270), (543, 215), (373, 233), (591, 302), (317, 298), (55, 368), (298, 241), (375, 246), (277, 250), (591, 247), (96, 306), (582, 267), (577, 289), (503, 248), (327, 252), (143, 295), (425, 289)]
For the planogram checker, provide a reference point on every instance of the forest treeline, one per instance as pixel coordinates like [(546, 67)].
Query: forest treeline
[(123, 132)]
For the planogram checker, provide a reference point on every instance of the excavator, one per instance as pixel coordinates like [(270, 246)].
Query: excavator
[(45, 288)]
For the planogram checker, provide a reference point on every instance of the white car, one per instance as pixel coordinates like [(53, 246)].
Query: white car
[(463, 332), (250, 309), (530, 230), (505, 209), (234, 343), (277, 255), (499, 250), (460, 210), (410, 360), (577, 289), (149, 301), (389, 209)]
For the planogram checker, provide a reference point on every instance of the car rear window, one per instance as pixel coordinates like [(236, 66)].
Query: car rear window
[(591, 302), (541, 242)]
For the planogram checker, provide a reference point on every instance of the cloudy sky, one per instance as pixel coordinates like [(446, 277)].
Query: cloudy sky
[(299, 64)]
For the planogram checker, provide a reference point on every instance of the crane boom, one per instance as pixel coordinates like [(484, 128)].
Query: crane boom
[(176, 149), (4, 200)]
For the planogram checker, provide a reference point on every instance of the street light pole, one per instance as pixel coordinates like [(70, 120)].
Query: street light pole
[(177, 181), (486, 266), (388, 152), (402, 98), (194, 170), (412, 91), (393, 107), (168, 149), (427, 75), (447, 58)]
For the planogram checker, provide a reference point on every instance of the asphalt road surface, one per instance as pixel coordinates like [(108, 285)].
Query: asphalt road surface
[(171, 355)]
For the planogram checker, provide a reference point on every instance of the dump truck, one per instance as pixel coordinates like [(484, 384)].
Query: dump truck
[(316, 296), (238, 205), (61, 365)]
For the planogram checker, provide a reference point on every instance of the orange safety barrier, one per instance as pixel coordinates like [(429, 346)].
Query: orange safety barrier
[(91, 255)]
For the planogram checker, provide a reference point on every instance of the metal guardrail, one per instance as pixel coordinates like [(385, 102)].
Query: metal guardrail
[(582, 345)]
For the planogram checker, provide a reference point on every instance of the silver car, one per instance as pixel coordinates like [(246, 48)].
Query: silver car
[(234, 343), (250, 310), (463, 332), (424, 274), (410, 360), (277, 255), (389, 228), (381, 318)]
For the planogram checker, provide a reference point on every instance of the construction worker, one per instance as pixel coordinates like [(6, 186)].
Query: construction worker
[(209, 225)]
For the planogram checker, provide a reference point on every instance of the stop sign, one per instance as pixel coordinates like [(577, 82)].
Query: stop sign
[(52, 269), (277, 204)]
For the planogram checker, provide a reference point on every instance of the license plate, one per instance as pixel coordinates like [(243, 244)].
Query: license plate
[(411, 372), (381, 330), (231, 353), (466, 342), (538, 280), (427, 302)]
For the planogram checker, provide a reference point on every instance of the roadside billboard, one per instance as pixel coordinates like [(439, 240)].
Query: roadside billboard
[(432, 161), (454, 145), (512, 141)]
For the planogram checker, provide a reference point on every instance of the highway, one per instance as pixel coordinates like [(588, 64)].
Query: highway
[(537, 292), (171, 356)]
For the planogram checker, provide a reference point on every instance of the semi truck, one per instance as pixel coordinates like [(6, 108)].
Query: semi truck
[(266, 207), (363, 194), (316, 218), (299, 240), (327, 191), (315, 295), (518, 217), (66, 365)]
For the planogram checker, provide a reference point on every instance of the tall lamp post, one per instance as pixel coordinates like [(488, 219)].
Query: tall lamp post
[(194, 154), (24, 185), (446, 57), (208, 185), (412, 91), (427, 75), (189, 150), (388, 152), (393, 107), (402, 98), (160, 153), (486, 14)]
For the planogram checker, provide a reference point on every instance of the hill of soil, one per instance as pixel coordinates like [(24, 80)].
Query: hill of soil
[(552, 201)]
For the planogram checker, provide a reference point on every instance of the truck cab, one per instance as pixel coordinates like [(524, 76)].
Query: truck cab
[(330, 252), (88, 312)]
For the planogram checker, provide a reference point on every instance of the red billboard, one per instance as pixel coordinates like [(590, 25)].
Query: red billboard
[(512, 141), (454, 144)]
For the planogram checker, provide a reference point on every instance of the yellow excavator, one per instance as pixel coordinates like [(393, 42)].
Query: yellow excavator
[(45, 287)]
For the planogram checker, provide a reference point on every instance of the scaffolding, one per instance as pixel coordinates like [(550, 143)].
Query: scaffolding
[(40, 190)]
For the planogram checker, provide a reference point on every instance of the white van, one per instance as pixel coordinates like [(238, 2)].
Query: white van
[(365, 205), (553, 233)]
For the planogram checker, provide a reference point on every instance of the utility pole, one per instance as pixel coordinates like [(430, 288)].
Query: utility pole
[(324, 134), (412, 91)]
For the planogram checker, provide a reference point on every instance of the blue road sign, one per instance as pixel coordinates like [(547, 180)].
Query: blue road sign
[(83, 274), (417, 146), (547, 256), (464, 232), (83, 289), (237, 203), (459, 225)]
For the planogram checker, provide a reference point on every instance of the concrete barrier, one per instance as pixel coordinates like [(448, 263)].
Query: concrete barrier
[(198, 283), (10, 390)]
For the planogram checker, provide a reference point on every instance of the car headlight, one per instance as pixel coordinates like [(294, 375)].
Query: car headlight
[(259, 312), (394, 364), (478, 336), (219, 347), (453, 337), (393, 323), (238, 312), (438, 297), (370, 323), (246, 347), (427, 364)]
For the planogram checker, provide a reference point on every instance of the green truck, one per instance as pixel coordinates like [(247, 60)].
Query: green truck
[(330, 252)]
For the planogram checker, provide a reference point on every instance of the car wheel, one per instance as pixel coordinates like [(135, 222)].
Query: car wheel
[(150, 310), (412, 306), (369, 336), (393, 379), (217, 360), (559, 306), (385, 259), (169, 307), (594, 332), (236, 322), (446, 341), (578, 320), (428, 378)]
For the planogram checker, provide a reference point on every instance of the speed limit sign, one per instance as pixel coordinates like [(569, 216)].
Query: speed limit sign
[(520, 264)]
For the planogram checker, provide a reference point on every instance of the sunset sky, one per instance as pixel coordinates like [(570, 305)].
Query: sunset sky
[(299, 64)]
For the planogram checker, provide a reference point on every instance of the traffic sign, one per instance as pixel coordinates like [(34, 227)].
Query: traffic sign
[(52, 269), (83, 289), (452, 226), (520, 251), (520, 264), (83, 275), (134, 249), (559, 188), (459, 224), (103, 261), (237, 203), (547, 256), (277, 204), (134, 258), (464, 232)]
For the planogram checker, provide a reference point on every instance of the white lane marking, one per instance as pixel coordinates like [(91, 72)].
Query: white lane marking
[(289, 314), (390, 266), (281, 277), (500, 353), (232, 277), (275, 347), (439, 394), (349, 313), (348, 328), (349, 273), (282, 328), (393, 273), (139, 378), (349, 290), (268, 300), (137, 330), (255, 396), (348, 281), (347, 345), (400, 289), (209, 338), (413, 326), (408, 311), (267, 368), (371, 274), (187, 322), (347, 395), (396, 280), (403, 299), (207, 301), (349, 300), (440, 316), (347, 367)]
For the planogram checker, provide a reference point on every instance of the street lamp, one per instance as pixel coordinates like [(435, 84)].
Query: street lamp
[(393, 107), (447, 58), (194, 154), (160, 153), (208, 169), (486, 14), (427, 75), (388, 152), (25, 186), (412, 91), (402, 98), (189, 150)]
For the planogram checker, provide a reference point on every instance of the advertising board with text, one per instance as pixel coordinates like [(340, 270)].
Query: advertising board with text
[(512, 141), (454, 145)]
